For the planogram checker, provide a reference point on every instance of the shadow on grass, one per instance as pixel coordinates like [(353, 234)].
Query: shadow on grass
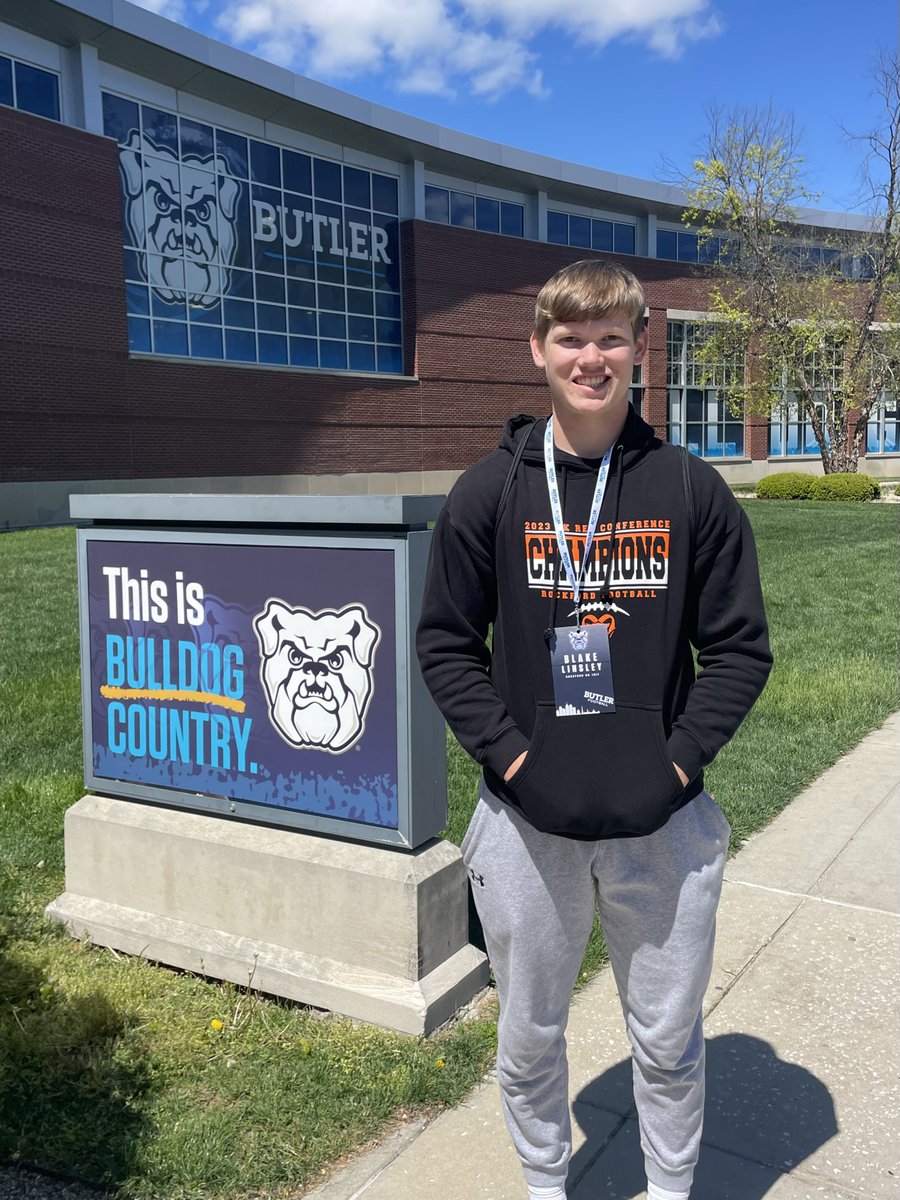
[(69, 1096), (764, 1116)]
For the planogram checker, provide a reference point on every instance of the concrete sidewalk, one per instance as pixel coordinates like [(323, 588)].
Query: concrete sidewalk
[(802, 1030)]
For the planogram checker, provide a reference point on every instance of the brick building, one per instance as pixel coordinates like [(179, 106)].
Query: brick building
[(218, 275)]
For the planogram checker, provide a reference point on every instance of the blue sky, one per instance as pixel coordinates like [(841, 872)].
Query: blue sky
[(616, 84)]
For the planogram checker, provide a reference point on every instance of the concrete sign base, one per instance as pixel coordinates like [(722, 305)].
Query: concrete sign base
[(373, 933)]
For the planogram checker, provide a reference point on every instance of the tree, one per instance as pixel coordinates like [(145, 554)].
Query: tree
[(817, 321)]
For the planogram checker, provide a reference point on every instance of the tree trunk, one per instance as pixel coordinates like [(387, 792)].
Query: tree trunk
[(842, 458)]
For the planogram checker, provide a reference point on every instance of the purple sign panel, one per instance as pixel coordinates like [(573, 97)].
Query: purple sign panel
[(252, 672)]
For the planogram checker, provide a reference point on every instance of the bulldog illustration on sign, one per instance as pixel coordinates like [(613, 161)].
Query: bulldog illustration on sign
[(184, 213), (316, 668)]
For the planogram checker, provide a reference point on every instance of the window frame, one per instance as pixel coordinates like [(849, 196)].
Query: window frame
[(594, 217), (719, 425), (54, 75), (479, 201)]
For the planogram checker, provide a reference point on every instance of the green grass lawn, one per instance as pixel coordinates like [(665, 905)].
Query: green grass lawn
[(161, 1084)]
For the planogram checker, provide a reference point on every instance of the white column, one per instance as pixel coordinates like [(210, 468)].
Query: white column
[(412, 200), (82, 105)]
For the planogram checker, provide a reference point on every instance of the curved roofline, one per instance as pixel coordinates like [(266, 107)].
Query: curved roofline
[(191, 62)]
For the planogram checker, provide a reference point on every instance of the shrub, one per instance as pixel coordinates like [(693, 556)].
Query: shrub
[(844, 485), (789, 485)]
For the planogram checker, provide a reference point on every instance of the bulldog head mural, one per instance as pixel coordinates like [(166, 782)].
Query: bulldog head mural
[(316, 669), (183, 212)]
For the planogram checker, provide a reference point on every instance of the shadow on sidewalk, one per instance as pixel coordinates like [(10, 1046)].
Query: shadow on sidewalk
[(764, 1116)]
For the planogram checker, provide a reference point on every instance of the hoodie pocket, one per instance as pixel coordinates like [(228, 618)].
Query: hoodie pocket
[(597, 777)]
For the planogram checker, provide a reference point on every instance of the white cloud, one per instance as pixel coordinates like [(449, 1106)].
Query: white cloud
[(488, 47), (173, 9)]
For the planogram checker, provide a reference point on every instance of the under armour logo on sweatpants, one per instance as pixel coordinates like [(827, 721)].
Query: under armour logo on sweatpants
[(479, 879)]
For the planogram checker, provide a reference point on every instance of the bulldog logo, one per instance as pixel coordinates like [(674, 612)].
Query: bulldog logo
[(184, 216), (316, 669), (578, 638)]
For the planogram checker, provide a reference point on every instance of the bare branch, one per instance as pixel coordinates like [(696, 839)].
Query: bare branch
[(791, 294)]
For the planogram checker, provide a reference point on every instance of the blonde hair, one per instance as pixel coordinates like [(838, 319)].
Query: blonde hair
[(588, 289)]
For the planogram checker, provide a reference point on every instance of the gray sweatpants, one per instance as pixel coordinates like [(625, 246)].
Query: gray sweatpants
[(657, 895)]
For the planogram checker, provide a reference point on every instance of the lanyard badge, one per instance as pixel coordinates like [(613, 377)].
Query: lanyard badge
[(579, 655)]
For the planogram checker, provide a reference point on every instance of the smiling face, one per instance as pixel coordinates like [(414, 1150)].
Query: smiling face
[(589, 365)]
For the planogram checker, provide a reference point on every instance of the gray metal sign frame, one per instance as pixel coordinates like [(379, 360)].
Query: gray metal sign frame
[(421, 745)]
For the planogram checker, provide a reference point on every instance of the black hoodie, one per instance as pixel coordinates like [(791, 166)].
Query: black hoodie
[(665, 588)]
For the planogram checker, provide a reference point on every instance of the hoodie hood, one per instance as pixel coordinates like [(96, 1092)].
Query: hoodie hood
[(636, 439)]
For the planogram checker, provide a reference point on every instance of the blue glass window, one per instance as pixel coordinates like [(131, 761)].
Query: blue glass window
[(357, 187), (233, 148), (121, 117), (512, 219), (169, 309), (667, 244), (270, 288), (170, 337), (6, 81), (624, 239), (580, 232), (139, 335), (297, 172), (602, 235), (387, 274), (362, 302), (362, 358), (361, 329), (387, 304), (138, 300), (240, 345), (462, 210), (304, 352), (487, 214), (301, 293), (327, 179), (385, 194), (390, 359), (271, 317), (474, 212), (265, 164), (276, 286), (687, 247), (273, 349), (388, 331), (332, 297), (332, 325), (333, 355), (206, 342), (29, 88), (37, 91), (240, 313), (330, 269), (241, 284), (161, 128), (557, 228), (134, 265), (302, 320), (588, 233), (196, 139), (437, 204), (206, 316)]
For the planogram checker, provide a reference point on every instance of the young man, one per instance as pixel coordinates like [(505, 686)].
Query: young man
[(599, 555)]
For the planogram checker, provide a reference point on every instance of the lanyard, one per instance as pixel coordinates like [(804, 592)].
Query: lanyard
[(556, 510)]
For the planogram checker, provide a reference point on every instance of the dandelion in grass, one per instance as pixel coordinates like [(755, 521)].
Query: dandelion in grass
[(216, 1024), (440, 1063)]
